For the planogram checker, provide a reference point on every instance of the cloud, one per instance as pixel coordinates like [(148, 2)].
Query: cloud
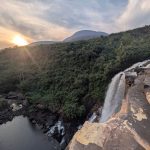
[(136, 14), (85, 14), (24, 18), (56, 19)]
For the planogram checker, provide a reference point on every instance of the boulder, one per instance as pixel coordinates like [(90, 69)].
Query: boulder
[(15, 95)]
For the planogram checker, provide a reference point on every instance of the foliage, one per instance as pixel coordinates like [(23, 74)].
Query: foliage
[(62, 75), (3, 104)]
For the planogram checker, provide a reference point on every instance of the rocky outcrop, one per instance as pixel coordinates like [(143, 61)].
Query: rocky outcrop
[(53, 125), (129, 126), (58, 130), (11, 105)]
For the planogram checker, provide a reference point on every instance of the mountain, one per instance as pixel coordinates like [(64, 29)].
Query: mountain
[(84, 35), (80, 35), (42, 43)]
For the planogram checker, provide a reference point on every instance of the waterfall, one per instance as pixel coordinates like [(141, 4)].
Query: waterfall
[(116, 91), (93, 117), (57, 127), (114, 96)]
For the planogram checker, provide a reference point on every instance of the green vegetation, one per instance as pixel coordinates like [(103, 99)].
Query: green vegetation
[(3, 104), (70, 77)]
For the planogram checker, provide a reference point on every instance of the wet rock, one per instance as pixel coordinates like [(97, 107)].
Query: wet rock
[(25, 103), (15, 95), (33, 122), (51, 120), (146, 86), (6, 115), (20, 96), (139, 70), (130, 80), (41, 106), (55, 145)]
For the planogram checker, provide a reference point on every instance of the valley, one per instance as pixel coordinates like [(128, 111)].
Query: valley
[(59, 86)]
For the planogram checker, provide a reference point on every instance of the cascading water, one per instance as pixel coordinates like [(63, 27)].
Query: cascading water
[(116, 91), (93, 117), (114, 96), (139, 64), (59, 127)]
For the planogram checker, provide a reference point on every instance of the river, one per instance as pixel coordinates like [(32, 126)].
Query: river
[(20, 134)]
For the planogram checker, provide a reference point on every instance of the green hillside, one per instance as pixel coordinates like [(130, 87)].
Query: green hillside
[(70, 77)]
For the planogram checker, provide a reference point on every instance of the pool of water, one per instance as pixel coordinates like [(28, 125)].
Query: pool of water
[(20, 134)]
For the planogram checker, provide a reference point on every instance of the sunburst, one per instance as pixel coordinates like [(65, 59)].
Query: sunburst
[(19, 41)]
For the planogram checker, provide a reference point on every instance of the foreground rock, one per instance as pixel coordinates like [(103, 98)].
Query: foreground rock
[(128, 128)]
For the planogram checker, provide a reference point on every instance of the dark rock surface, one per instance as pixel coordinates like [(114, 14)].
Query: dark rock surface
[(15, 95), (5, 115)]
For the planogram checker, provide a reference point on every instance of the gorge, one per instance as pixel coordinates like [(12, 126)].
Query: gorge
[(124, 116), (55, 88)]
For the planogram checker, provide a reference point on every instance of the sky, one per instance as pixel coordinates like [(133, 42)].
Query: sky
[(36, 20)]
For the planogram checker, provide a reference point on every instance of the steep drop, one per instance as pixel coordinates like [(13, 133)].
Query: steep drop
[(114, 96)]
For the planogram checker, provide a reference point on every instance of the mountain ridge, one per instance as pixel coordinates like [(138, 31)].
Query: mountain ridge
[(42, 43), (77, 36), (84, 35)]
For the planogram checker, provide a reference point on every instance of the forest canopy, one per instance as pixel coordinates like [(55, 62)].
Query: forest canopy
[(70, 77)]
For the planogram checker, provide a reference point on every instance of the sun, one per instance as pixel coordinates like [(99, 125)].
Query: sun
[(19, 41)]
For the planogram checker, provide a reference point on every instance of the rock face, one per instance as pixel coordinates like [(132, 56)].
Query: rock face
[(129, 126)]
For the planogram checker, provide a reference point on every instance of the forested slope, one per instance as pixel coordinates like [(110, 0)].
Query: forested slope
[(70, 77)]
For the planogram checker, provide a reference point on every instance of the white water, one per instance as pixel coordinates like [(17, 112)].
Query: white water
[(59, 126), (114, 96), (93, 117)]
